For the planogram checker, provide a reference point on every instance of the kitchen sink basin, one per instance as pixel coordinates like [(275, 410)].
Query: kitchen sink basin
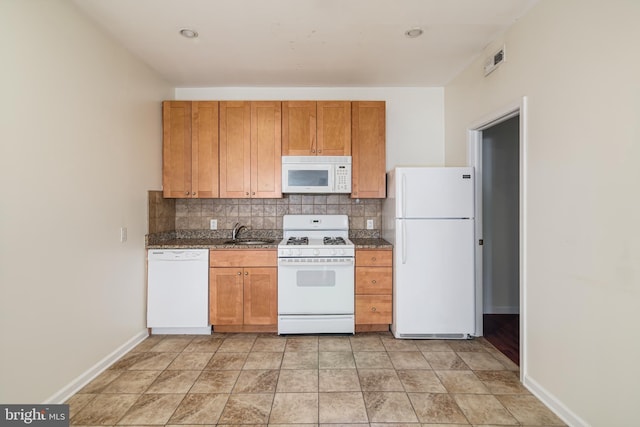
[(249, 242)]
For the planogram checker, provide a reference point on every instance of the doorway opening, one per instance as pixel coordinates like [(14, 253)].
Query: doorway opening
[(497, 151), (500, 224)]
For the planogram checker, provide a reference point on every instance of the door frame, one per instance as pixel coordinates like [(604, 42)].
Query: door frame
[(474, 141)]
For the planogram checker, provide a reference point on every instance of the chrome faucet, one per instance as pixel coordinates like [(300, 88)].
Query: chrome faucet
[(236, 230)]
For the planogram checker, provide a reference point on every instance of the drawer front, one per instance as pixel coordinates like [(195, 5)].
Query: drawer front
[(374, 258), (243, 258), (373, 309), (373, 280)]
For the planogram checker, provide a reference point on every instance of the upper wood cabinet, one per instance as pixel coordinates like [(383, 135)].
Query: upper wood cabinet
[(235, 149), (368, 174), (190, 149), (334, 128), (266, 149), (312, 128), (298, 128), (250, 149)]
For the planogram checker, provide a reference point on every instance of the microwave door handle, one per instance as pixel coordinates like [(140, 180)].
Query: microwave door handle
[(332, 176)]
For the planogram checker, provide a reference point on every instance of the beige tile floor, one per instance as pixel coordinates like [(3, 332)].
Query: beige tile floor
[(263, 379)]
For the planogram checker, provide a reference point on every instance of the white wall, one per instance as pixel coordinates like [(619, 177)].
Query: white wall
[(578, 63), (415, 115), (80, 147)]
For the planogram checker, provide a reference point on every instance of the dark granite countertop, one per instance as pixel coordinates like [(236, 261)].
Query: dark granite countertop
[(206, 244), (216, 240), (376, 243), (220, 244)]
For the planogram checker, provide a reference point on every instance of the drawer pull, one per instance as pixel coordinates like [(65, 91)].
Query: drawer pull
[(374, 281), (373, 309)]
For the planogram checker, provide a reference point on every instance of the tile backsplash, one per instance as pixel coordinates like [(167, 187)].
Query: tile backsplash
[(162, 213), (259, 214)]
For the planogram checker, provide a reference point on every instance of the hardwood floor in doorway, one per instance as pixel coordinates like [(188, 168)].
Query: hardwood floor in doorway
[(503, 331)]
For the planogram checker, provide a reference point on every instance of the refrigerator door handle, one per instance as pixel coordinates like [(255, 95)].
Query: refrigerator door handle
[(404, 242), (403, 193)]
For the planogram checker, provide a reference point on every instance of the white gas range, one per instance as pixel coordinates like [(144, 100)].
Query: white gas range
[(316, 275)]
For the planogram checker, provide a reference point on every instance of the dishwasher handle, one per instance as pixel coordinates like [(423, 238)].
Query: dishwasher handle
[(178, 255)]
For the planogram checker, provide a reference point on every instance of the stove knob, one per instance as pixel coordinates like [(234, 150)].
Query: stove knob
[(316, 252)]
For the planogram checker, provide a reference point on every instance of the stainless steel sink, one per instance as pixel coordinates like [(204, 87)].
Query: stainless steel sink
[(249, 242)]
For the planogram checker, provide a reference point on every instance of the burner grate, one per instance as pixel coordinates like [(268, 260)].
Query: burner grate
[(298, 241), (334, 241)]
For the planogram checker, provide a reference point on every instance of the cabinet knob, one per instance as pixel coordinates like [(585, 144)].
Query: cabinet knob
[(239, 273), (193, 194), (319, 151), (246, 273), (373, 309), (186, 193), (373, 258), (313, 151), (247, 193), (374, 281), (253, 193)]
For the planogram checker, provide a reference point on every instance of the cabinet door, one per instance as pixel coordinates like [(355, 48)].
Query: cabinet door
[(373, 309), (176, 149), (266, 148), (374, 258), (373, 280), (260, 296), (225, 296), (235, 149), (204, 140), (368, 149), (299, 128), (334, 128)]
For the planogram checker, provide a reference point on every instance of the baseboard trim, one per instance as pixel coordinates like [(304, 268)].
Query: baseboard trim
[(74, 386), (554, 403)]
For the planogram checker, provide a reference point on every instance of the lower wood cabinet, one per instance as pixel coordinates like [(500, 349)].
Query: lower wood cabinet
[(373, 310), (243, 290), (373, 285)]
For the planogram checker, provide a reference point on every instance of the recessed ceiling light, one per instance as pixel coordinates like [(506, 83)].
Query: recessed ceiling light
[(188, 33), (413, 33)]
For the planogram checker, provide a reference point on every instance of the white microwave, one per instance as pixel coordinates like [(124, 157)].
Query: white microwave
[(316, 174)]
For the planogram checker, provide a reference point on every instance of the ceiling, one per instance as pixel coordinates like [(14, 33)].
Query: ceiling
[(305, 42)]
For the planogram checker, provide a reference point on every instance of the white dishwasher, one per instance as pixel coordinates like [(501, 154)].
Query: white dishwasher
[(178, 291)]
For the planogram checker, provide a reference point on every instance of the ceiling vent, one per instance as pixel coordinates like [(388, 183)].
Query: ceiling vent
[(492, 62)]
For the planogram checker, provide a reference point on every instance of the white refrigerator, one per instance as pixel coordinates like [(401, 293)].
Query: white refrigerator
[(428, 216)]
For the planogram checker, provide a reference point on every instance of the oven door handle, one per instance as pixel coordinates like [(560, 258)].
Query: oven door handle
[(310, 263)]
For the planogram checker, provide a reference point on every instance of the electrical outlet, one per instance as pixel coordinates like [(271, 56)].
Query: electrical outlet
[(369, 224), (213, 224), (123, 234)]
